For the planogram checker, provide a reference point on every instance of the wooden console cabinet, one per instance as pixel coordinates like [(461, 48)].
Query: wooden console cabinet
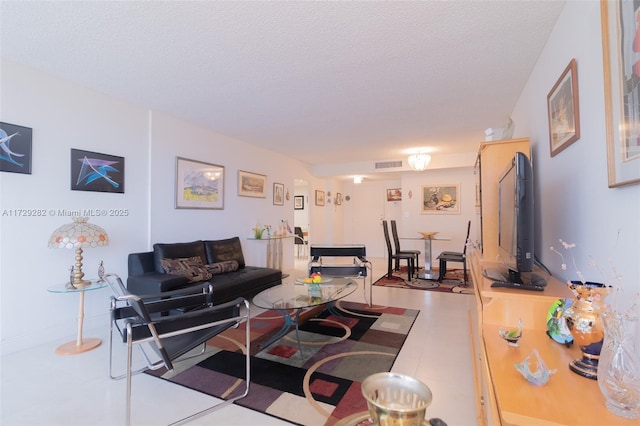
[(493, 159), (504, 397)]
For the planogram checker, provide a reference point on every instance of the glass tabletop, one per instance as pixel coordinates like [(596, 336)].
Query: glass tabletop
[(295, 295), (66, 288)]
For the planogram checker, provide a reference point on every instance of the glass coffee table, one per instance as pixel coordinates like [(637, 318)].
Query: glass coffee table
[(291, 299)]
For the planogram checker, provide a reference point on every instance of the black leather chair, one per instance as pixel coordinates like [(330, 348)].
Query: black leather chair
[(454, 256), (299, 240), (169, 325), (396, 243), (396, 256)]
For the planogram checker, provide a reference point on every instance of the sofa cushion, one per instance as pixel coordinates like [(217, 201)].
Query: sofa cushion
[(177, 251), (223, 250), (191, 267), (245, 282), (222, 267)]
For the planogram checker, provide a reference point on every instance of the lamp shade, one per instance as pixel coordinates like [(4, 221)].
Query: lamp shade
[(79, 234)]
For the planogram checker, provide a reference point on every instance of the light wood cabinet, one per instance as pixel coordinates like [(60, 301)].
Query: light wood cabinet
[(504, 396), (493, 159)]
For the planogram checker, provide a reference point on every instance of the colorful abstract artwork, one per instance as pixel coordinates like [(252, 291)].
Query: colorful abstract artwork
[(92, 171), (15, 148)]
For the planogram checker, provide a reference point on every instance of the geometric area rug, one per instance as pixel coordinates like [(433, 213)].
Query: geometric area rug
[(453, 282), (321, 386)]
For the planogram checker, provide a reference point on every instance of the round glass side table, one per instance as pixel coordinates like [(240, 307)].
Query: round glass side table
[(79, 345)]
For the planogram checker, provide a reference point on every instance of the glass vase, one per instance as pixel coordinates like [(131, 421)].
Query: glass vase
[(619, 365), (586, 326)]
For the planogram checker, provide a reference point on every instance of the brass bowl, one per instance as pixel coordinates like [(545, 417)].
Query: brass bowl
[(428, 235)]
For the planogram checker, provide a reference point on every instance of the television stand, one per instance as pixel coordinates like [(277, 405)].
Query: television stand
[(504, 396)]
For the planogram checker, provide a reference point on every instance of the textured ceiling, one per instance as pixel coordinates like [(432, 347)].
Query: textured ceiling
[(325, 82)]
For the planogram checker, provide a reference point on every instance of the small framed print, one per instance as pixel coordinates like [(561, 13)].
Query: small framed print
[(278, 194), (92, 171), (298, 202), (339, 198), (319, 198), (15, 155), (394, 194), (252, 184), (563, 110), (199, 185)]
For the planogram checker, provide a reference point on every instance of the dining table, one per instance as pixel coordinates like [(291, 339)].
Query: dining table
[(428, 237)]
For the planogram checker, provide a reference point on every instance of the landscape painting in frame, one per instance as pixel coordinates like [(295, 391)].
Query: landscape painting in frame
[(252, 184), (92, 171), (199, 185), (15, 148), (441, 199)]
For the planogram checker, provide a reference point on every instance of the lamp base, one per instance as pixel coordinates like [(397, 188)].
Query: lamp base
[(77, 284), (72, 348)]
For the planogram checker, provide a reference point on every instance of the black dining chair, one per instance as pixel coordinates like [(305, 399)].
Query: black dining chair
[(396, 256), (454, 256), (396, 242)]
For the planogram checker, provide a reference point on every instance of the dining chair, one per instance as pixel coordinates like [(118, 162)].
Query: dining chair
[(454, 256), (396, 242), (396, 256)]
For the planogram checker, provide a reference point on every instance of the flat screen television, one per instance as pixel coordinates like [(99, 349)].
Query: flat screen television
[(516, 224)]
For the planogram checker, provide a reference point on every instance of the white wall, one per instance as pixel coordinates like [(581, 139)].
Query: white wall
[(369, 206), (65, 116), (574, 201)]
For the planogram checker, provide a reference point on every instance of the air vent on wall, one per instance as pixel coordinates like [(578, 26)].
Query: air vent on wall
[(389, 164)]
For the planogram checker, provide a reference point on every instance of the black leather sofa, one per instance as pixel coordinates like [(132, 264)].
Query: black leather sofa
[(147, 275)]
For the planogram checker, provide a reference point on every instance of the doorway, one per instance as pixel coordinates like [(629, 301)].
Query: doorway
[(301, 218)]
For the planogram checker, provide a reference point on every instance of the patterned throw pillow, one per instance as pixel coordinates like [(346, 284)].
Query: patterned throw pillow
[(222, 267), (191, 267)]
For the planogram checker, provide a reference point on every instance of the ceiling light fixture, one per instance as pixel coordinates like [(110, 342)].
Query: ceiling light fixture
[(357, 179), (419, 161)]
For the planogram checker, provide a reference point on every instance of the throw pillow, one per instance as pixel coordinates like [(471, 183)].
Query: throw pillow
[(222, 267), (191, 267)]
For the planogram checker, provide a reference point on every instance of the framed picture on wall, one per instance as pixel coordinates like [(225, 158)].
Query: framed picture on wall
[(278, 194), (441, 199), (251, 184), (620, 29), (199, 185), (15, 155), (92, 171), (298, 202), (319, 198), (394, 194), (563, 110)]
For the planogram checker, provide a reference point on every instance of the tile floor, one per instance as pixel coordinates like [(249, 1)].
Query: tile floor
[(41, 388)]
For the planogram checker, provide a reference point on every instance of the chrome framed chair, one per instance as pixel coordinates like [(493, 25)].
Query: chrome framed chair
[(169, 325), (396, 256), (396, 243), (454, 256), (359, 267)]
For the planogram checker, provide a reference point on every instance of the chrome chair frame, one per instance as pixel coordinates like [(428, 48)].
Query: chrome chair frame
[(138, 327), (360, 267)]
